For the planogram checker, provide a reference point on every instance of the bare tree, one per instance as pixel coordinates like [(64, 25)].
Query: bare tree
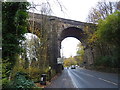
[(102, 10)]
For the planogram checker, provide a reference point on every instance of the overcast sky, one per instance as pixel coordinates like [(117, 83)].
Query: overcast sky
[(71, 9)]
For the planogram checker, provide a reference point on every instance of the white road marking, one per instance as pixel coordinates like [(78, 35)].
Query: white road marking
[(93, 77), (108, 81), (102, 79), (72, 79), (82, 79)]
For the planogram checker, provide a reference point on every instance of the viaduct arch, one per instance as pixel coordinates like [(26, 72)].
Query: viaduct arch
[(63, 28)]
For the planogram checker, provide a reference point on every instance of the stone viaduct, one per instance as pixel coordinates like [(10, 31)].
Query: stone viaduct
[(64, 28)]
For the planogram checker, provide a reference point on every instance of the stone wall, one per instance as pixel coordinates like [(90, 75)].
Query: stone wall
[(57, 25)]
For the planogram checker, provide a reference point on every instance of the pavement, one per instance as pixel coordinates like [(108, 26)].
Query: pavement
[(83, 78)]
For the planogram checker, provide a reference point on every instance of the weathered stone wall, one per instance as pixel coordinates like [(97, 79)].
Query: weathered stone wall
[(57, 25), (88, 56)]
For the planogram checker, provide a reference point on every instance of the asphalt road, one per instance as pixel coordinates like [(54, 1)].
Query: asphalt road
[(82, 78)]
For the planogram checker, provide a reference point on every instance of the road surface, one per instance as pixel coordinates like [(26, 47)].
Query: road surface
[(83, 78)]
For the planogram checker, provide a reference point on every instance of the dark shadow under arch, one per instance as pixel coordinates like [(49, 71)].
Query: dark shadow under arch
[(72, 32)]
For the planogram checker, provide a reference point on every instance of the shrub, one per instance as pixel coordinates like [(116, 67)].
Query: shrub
[(21, 80), (107, 61)]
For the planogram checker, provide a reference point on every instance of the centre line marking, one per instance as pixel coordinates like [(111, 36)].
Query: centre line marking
[(108, 81)]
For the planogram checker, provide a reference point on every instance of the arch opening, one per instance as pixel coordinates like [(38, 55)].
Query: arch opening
[(69, 47), (30, 46), (73, 36), (70, 39)]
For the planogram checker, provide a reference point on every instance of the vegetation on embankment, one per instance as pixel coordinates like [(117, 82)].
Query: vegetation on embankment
[(106, 36), (108, 32)]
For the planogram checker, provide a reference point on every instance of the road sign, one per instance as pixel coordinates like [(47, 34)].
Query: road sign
[(59, 60)]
